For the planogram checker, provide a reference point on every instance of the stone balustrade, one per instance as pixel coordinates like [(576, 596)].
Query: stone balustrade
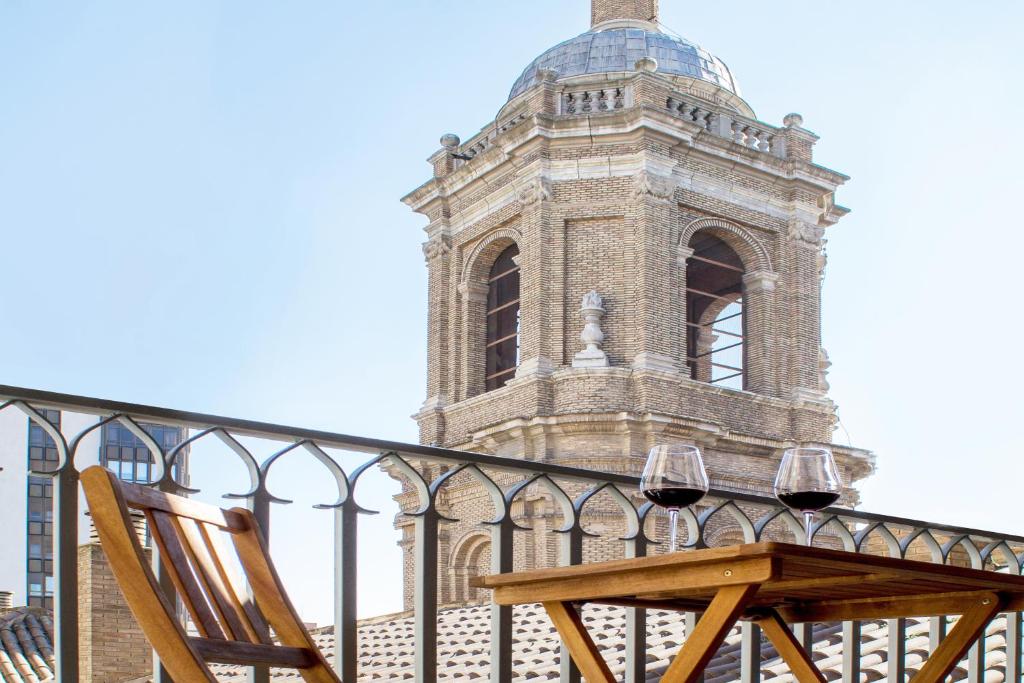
[(592, 100), (725, 124)]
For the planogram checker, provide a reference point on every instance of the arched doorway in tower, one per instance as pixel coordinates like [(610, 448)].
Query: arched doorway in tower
[(715, 350), (471, 558)]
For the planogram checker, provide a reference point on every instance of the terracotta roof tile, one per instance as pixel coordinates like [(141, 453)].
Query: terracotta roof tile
[(26, 646), (386, 647)]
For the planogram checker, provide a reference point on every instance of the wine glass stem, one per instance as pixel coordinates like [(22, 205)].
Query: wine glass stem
[(808, 521), (673, 517)]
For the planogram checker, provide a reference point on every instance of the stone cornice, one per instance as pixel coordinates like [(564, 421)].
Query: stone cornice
[(623, 126)]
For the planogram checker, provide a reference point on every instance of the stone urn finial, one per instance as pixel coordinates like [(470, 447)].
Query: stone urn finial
[(592, 310)]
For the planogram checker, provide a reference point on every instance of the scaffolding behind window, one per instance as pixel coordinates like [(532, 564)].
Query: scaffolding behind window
[(715, 350), (502, 319)]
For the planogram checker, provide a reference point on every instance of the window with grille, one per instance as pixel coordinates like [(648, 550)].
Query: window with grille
[(502, 319), (42, 457), (127, 456), (715, 350)]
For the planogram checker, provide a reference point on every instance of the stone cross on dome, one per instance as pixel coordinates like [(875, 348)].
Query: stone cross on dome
[(602, 11)]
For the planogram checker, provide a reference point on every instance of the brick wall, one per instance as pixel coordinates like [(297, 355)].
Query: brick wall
[(113, 646), (604, 10)]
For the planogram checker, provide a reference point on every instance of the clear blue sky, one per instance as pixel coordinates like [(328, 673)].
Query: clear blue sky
[(199, 206)]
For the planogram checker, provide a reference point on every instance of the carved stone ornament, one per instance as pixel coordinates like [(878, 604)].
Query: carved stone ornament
[(657, 186), (434, 248), (592, 309), (535, 190), (823, 365), (802, 231)]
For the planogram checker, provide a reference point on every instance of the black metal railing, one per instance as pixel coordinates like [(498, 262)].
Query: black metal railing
[(426, 470)]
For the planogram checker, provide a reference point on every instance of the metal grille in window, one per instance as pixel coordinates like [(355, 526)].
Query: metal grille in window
[(503, 319), (42, 457), (715, 350), (127, 456)]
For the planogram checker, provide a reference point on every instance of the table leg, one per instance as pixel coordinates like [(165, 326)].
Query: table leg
[(789, 648), (959, 640), (579, 643), (701, 645)]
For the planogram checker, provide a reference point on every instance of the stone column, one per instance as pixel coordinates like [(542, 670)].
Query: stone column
[(473, 297), (535, 286), (437, 253), (761, 351), (654, 195), (683, 253), (803, 285)]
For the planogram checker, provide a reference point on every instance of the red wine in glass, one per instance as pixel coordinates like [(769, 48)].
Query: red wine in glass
[(808, 481), (674, 478)]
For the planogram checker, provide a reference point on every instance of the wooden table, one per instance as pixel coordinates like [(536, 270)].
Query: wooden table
[(771, 584)]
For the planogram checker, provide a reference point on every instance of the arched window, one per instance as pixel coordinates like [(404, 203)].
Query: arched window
[(714, 312), (502, 319)]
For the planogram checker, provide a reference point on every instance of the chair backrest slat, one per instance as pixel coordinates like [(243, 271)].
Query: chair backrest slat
[(224, 602), (143, 497), (166, 534), (243, 601), (233, 626)]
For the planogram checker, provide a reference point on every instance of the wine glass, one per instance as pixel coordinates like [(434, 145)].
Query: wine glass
[(808, 481), (674, 478)]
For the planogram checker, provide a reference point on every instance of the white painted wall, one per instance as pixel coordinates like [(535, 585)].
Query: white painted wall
[(13, 494)]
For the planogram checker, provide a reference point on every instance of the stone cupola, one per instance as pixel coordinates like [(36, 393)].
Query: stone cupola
[(626, 256)]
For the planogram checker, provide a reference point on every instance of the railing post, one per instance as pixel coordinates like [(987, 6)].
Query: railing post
[(346, 530), (259, 503), (160, 674), (1013, 664), (976, 661), (425, 597), (571, 554), (65, 566), (501, 615), (897, 654), (636, 622), (690, 620), (851, 651), (750, 653), (804, 632)]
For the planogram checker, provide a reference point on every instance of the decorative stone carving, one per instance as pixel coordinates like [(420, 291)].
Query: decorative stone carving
[(793, 120), (648, 64), (760, 281), (660, 187), (801, 231), (473, 291), (433, 248), (823, 365), (535, 190), (547, 75), (592, 309)]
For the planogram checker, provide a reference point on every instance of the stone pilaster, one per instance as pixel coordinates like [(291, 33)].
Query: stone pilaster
[(654, 196), (761, 348), (535, 286), (803, 286), (473, 297)]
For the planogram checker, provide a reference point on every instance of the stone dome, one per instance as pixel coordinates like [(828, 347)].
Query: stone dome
[(618, 49)]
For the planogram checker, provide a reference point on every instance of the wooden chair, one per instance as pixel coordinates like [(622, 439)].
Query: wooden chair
[(232, 627)]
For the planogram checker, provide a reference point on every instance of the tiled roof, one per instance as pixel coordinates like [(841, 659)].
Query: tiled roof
[(386, 647), (26, 646)]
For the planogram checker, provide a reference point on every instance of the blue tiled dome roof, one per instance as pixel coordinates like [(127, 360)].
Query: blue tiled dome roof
[(612, 50)]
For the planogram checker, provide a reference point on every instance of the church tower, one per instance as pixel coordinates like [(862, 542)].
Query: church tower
[(627, 257)]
